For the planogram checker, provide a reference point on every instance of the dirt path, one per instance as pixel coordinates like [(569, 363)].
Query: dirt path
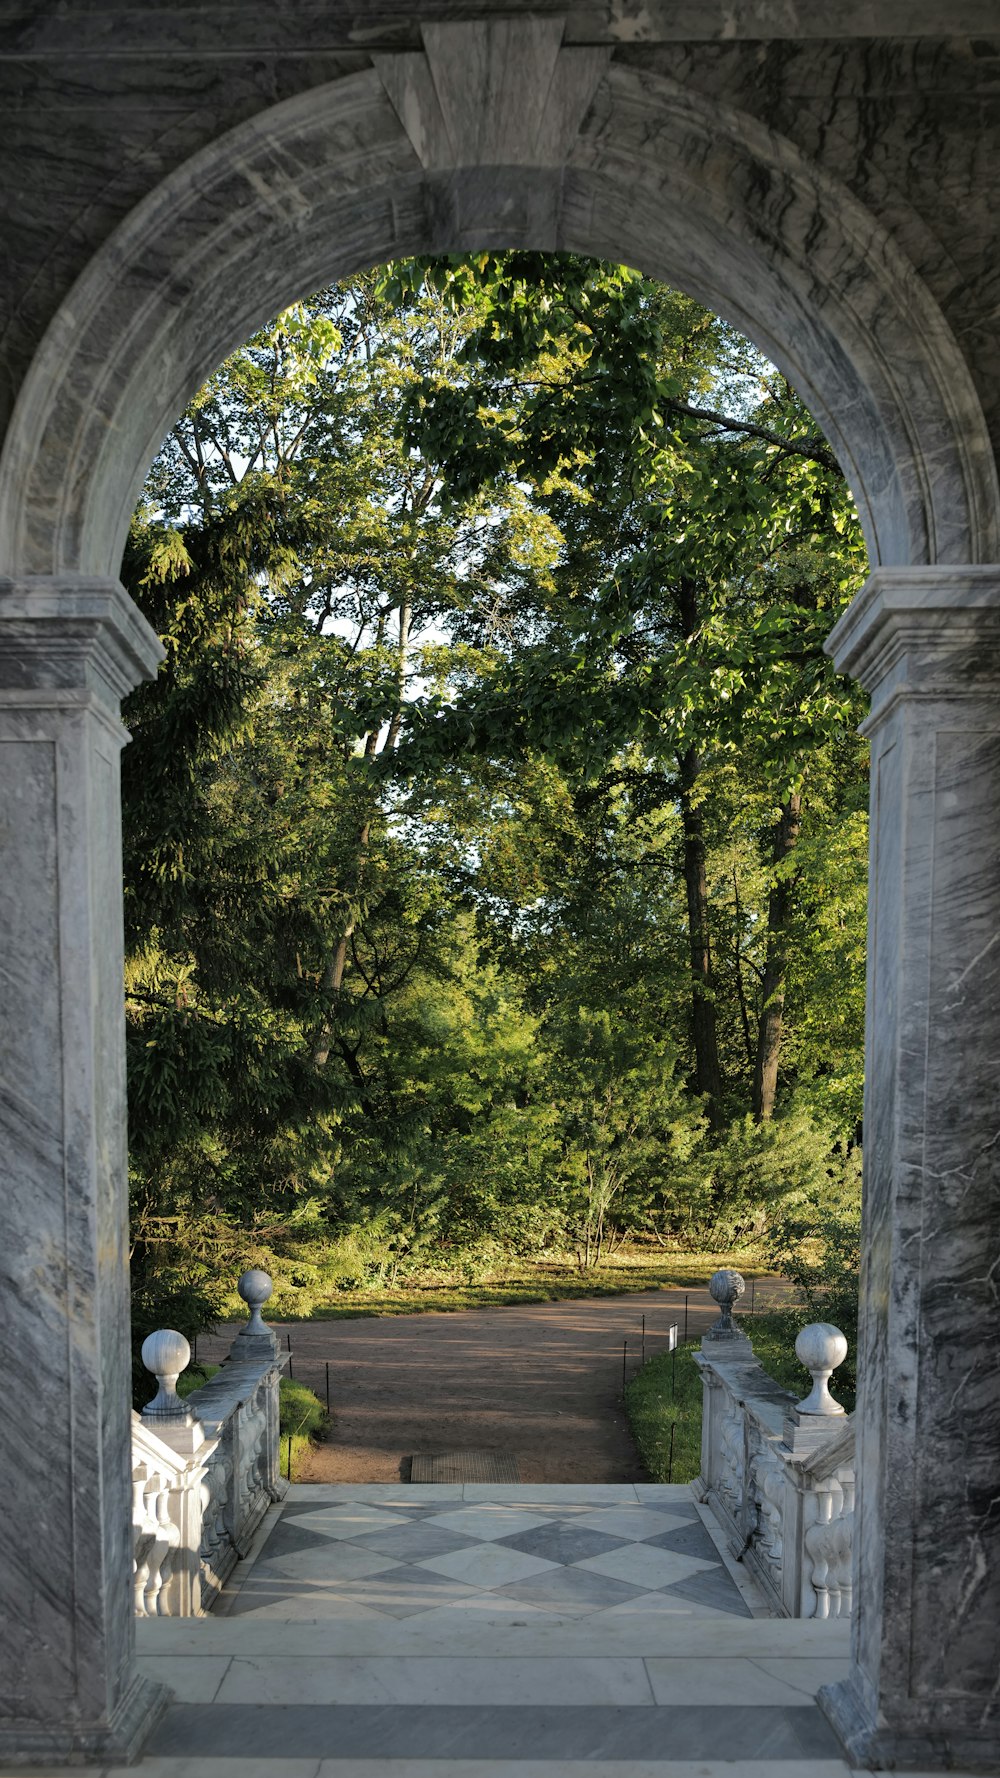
[(543, 1380)]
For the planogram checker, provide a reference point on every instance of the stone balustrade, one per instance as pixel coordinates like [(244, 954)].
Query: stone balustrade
[(204, 1469), (779, 1474)]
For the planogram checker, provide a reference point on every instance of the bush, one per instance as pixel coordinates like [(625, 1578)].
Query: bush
[(821, 1254)]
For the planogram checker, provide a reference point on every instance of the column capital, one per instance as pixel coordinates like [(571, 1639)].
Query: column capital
[(928, 632), (73, 632)]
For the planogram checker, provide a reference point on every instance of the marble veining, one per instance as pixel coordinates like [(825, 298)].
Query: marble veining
[(825, 178)]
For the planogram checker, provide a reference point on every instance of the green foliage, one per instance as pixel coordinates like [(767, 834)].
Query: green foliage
[(478, 582), (820, 1249)]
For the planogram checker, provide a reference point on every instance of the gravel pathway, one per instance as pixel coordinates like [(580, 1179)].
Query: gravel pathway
[(541, 1380)]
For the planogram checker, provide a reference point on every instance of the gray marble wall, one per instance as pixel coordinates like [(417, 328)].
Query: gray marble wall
[(67, 654), (923, 1688), (172, 176)]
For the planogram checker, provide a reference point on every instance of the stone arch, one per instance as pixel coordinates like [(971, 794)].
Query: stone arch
[(497, 135)]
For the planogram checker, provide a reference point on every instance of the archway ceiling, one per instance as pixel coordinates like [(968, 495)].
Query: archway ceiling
[(499, 134), (119, 27)]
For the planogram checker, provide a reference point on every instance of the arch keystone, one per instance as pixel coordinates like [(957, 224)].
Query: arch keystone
[(493, 92)]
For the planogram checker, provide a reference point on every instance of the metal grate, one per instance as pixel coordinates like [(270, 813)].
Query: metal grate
[(464, 1466)]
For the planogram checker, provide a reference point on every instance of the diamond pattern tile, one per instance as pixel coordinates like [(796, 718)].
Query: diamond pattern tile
[(561, 1554), (325, 1562), (562, 1543), (412, 1543), (685, 1540), (710, 1587), (485, 1521), (633, 1522), (404, 1591), (644, 1566), (487, 1565), (348, 1519), (576, 1591)]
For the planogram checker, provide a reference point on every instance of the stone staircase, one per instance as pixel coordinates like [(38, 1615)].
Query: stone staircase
[(491, 1631)]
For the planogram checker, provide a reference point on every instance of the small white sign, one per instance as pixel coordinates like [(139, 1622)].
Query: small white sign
[(672, 1338)]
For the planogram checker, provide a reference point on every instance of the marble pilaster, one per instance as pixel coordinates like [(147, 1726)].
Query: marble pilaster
[(923, 1687), (69, 650)]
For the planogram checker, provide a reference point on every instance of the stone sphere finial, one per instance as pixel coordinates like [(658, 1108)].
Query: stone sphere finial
[(725, 1286), (255, 1287), (166, 1353), (820, 1347)]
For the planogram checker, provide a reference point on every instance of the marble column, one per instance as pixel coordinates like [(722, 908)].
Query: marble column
[(924, 1685), (69, 651)]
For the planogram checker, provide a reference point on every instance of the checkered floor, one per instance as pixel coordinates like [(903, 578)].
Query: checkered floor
[(543, 1551), (477, 1631)]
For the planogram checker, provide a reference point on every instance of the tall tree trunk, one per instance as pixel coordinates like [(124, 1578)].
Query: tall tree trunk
[(769, 1031), (708, 1072), (333, 977)]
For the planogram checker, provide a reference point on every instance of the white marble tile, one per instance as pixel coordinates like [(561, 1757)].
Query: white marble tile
[(643, 1566), (306, 1608), (418, 1680), (486, 1521), (347, 1519), (636, 1522), (451, 1630), (646, 1606), (664, 1492), (549, 1494), (193, 1679), (486, 1565), (561, 1768), (328, 1562), (373, 1493), (700, 1681), (209, 1767)]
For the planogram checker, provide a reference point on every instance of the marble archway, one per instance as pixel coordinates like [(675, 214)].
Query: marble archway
[(499, 136), (495, 134)]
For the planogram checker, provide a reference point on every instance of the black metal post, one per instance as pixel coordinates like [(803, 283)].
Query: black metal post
[(685, 1320), (670, 1459), (328, 1385)]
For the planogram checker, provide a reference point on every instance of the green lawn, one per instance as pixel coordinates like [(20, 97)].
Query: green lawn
[(555, 1279), (301, 1415), (667, 1392)]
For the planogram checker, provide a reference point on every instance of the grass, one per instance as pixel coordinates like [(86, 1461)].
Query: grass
[(301, 1415), (194, 1377), (667, 1393), (301, 1418), (550, 1280), (664, 1393)]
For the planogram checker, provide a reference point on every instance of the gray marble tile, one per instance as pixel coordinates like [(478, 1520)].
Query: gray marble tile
[(348, 1519), (712, 1587), (571, 1589), (537, 1732), (487, 1520), (562, 1543), (413, 1543), (686, 1540), (404, 1591), (289, 1537)]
